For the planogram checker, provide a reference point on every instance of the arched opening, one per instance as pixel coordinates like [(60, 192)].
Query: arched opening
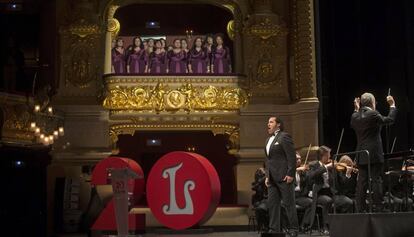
[(169, 22), (146, 147)]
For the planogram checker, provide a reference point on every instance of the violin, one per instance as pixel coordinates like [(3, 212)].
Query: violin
[(341, 166)]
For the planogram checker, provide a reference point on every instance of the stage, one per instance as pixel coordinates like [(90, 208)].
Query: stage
[(216, 234)]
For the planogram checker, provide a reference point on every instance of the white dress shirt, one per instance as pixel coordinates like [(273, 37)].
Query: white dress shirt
[(270, 142), (325, 176)]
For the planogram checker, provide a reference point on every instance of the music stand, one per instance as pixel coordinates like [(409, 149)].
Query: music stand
[(403, 156), (119, 179)]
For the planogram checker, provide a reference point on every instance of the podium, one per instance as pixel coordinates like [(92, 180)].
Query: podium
[(119, 179)]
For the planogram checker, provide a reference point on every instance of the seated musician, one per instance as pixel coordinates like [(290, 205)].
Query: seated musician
[(259, 200), (302, 192), (401, 191), (320, 172), (345, 185)]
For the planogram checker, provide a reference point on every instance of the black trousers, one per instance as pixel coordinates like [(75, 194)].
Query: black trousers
[(306, 203), (343, 204), (279, 192), (362, 186), (325, 202)]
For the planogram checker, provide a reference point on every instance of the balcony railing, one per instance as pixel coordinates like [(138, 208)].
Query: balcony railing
[(174, 93)]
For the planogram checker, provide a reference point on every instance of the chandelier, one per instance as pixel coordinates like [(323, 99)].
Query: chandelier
[(46, 124)]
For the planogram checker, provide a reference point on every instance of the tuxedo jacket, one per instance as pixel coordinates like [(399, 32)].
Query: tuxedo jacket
[(304, 185), (316, 171), (367, 124), (281, 160)]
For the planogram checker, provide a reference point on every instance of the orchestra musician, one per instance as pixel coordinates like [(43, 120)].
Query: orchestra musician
[(345, 185), (302, 192), (320, 173)]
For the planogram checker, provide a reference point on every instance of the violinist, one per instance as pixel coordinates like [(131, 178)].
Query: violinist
[(320, 172), (345, 184), (302, 192), (401, 186)]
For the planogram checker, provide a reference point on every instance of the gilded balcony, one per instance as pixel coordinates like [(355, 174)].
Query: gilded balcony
[(174, 94)]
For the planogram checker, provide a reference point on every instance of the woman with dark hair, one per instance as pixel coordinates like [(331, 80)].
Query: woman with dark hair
[(118, 57), (184, 45), (198, 57), (221, 58), (157, 60), (208, 45), (177, 59), (137, 57), (163, 45), (151, 47)]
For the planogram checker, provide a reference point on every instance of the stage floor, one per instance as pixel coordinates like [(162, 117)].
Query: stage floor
[(216, 234)]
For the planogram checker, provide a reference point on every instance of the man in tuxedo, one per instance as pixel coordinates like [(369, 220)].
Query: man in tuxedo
[(367, 123), (280, 173)]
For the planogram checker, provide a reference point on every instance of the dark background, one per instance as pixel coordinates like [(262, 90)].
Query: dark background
[(365, 46)]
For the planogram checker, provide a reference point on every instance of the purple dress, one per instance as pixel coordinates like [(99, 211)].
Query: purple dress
[(177, 62), (118, 61), (198, 60), (137, 60), (157, 62), (221, 60)]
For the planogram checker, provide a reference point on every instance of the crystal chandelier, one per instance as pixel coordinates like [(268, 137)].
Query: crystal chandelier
[(46, 124)]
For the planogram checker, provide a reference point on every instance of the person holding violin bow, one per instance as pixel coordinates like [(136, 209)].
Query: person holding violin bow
[(302, 190), (345, 184), (320, 173), (367, 123)]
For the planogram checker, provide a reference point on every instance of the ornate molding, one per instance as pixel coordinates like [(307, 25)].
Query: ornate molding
[(231, 131), (16, 123), (190, 94), (303, 83), (267, 65), (80, 43), (80, 68), (187, 97), (231, 30), (265, 29), (114, 79)]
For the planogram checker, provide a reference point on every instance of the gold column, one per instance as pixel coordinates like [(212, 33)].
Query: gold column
[(107, 63), (304, 50), (112, 30)]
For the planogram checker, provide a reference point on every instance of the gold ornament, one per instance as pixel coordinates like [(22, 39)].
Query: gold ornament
[(187, 97), (231, 29)]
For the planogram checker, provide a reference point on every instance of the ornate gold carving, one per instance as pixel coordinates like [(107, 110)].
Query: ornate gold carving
[(187, 97), (113, 24), (80, 69), (304, 60), (234, 141), (266, 29), (111, 11), (175, 79), (231, 131), (114, 27), (79, 44), (231, 29), (267, 62), (83, 29), (16, 123)]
